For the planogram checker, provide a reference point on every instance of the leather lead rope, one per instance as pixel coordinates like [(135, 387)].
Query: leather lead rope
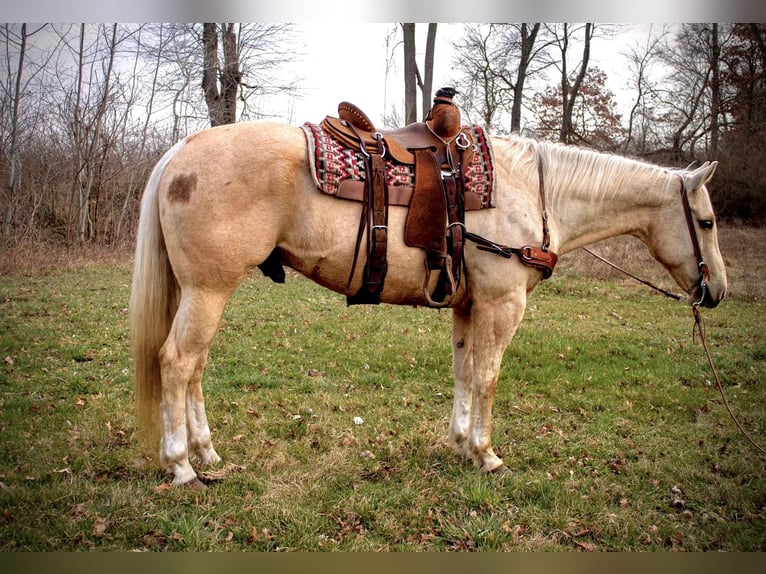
[(699, 326), (698, 322), (629, 274)]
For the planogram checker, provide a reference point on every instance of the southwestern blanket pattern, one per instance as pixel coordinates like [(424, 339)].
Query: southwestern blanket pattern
[(339, 171)]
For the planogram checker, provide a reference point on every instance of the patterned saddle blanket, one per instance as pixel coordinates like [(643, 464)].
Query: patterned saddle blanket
[(340, 171)]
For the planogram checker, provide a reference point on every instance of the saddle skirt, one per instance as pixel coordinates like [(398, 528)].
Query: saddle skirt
[(339, 169)]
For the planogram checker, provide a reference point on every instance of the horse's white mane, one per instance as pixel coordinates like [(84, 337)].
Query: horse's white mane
[(601, 174)]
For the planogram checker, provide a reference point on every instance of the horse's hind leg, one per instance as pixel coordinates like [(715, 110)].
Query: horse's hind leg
[(182, 360), (199, 441)]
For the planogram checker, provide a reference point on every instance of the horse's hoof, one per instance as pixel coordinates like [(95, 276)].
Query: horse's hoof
[(501, 470), (194, 484)]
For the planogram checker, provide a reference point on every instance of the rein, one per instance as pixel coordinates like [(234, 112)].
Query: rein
[(699, 327)]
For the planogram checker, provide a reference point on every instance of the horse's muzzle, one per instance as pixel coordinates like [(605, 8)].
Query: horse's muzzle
[(706, 297)]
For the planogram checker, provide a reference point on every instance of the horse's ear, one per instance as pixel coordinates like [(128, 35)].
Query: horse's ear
[(701, 175)]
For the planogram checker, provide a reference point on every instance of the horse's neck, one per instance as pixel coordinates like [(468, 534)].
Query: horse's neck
[(595, 196)]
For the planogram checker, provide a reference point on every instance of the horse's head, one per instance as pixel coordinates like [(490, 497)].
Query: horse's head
[(673, 237)]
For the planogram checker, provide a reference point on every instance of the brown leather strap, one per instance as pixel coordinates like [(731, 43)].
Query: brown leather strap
[(453, 189), (535, 257), (375, 218), (546, 232), (376, 265), (538, 257)]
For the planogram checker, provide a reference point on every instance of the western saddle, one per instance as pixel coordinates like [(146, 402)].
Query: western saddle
[(438, 149)]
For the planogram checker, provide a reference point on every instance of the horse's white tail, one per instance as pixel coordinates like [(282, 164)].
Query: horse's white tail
[(153, 304)]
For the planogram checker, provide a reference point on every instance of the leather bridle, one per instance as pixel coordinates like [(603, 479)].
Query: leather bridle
[(704, 271)]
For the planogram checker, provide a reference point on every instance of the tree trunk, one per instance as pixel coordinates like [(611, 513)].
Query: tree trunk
[(715, 89), (569, 96), (527, 46), (565, 120), (410, 74), (428, 69), (221, 103), (12, 185), (87, 228)]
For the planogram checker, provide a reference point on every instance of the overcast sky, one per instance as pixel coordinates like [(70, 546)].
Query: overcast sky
[(349, 63)]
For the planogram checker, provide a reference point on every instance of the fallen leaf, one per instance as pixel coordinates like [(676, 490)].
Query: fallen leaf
[(79, 510), (220, 474), (264, 535), (154, 539), (586, 546), (99, 526)]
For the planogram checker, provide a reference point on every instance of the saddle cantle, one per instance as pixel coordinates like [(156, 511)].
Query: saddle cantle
[(438, 150)]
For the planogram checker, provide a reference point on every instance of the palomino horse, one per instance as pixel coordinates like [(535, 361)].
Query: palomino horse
[(220, 201)]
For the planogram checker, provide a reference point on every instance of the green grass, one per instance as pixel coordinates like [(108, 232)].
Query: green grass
[(604, 412)]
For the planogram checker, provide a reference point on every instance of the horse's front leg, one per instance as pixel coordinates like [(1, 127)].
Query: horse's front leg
[(462, 369), (493, 325)]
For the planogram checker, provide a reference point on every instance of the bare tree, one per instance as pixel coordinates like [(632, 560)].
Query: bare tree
[(476, 59), (412, 76), (595, 121), (527, 52), (220, 83), (641, 60), (427, 85), (692, 88), (715, 89), (16, 127), (495, 62), (569, 89), (12, 183)]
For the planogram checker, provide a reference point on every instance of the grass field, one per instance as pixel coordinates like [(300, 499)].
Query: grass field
[(605, 413)]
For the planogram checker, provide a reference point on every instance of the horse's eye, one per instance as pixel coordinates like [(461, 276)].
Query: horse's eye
[(706, 223)]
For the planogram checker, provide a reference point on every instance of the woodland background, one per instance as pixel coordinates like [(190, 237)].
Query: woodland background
[(87, 109)]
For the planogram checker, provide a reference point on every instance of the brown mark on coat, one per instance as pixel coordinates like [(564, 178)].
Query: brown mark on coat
[(181, 187)]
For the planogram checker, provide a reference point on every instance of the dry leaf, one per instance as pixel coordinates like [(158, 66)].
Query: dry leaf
[(79, 510), (264, 535), (221, 473), (99, 526), (586, 546)]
